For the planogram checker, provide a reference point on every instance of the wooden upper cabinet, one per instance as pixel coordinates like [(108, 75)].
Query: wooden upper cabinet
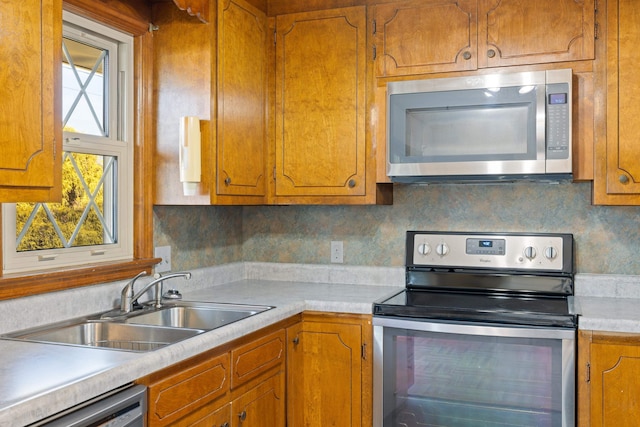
[(518, 32), (320, 82), (30, 117), (418, 37), (617, 165), (216, 72), (431, 36), (242, 94)]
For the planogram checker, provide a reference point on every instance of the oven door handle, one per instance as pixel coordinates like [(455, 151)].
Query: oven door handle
[(476, 328)]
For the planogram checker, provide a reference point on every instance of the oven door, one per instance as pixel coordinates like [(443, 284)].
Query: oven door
[(463, 374)]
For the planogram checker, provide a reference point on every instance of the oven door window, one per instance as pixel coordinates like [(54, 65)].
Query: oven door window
[(455, 380)]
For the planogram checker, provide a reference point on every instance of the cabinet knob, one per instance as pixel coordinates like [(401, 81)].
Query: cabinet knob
[(623, 179), (227, 181), (466, 55), (491, 53), (352, 183), (242, 415), (296, 340)]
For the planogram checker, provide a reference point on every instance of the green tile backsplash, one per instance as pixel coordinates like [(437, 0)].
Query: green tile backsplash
[(607, 238)]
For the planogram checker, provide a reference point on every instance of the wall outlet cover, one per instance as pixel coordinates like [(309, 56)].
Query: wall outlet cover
[(163, 252), (337, 256)]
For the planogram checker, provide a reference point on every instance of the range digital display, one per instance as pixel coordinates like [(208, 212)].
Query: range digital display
[(485, 246)]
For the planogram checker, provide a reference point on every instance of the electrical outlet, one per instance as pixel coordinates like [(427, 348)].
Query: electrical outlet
[(336, 252), (163, 252)]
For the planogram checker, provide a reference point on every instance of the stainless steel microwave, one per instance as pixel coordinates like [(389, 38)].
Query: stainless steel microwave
[(495, 127)]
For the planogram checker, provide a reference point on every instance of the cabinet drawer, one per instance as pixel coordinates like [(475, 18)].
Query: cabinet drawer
[(182, 393), (252, 359)]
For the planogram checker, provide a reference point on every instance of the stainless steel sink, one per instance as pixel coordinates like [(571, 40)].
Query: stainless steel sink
[(145, 330), (196, 315), (110, 335)]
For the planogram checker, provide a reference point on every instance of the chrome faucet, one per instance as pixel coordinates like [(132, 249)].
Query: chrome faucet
[(126, 297), (128, 302)]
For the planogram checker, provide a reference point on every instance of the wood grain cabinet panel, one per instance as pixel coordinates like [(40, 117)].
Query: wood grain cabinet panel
[(211, 415), (242, 94), (418, 37), (255, 358), (216, 72), (329, 373), (433, 36), (30, 88), (609, 391), (517, 32), (320, 81), (178, 395), (617, 152), (261, 406)]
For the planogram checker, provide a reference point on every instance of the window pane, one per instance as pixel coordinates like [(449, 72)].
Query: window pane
[(86, 215), (83, 83)]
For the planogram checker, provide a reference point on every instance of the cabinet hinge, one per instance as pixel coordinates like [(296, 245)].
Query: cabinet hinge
[(374, 27), (274, 173), (588, 373), (596, 28), (275, 37), (374, 52), (364, 351)]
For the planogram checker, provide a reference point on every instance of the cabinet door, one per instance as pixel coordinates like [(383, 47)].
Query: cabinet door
[(242, 92), (208, 416), (618, 158), (30, 84), (324, 381), (257, 357), (262, 406), (417, 36), (517, 32), (615, 389), (184, 392), (320, 98)]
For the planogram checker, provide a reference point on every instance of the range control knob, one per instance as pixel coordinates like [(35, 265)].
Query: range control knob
[(424, 249), (442, 249), (550, 253), (529, 252)]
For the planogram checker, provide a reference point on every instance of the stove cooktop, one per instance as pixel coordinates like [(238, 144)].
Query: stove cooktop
[(550, 311)]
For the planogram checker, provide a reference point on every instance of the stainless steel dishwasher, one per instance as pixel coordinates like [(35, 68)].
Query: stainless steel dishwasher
[(124, 407)]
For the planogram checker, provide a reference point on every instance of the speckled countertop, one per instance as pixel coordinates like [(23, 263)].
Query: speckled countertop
[(608, 302), (38, 380)]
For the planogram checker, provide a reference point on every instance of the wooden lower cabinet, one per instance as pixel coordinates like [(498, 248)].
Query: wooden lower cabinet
[(608, 372), (262, 405), (313, 369), (240, 384), (329, 371), (207, 416)]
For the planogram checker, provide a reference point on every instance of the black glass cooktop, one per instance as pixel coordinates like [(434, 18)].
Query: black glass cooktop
[(479, 307)]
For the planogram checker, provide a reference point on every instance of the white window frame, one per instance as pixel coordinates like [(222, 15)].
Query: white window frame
[(118, 143)]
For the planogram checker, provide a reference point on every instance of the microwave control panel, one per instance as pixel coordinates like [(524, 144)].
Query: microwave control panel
[(558, 121)]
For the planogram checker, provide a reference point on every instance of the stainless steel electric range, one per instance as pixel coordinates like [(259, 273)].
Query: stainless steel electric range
[(483, 334)]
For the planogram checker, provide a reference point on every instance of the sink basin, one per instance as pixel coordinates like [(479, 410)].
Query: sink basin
[(197, 315), (110, 335)]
